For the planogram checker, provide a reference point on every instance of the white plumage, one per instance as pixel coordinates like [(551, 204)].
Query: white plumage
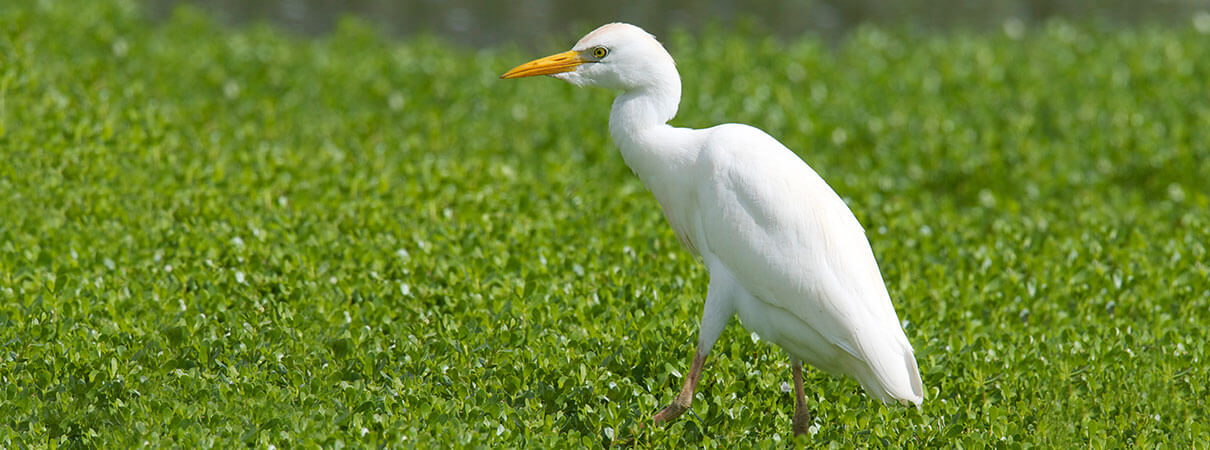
[(784, 252)]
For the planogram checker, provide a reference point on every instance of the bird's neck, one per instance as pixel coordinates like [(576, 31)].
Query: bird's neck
[(637, 120), (641, 108), (660, 154)]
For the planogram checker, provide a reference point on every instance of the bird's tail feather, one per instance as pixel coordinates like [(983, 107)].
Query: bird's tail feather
[(895, 376)]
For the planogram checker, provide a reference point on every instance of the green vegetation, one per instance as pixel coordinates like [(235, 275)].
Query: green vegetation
[(211, 237)]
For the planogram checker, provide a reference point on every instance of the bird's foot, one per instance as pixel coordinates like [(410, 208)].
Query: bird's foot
[(802, 421), (671, 412)]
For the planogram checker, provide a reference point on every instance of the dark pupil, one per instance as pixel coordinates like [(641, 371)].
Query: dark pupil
[(600, 52)]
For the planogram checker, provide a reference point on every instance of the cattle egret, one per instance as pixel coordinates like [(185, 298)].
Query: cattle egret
[(784, 252)]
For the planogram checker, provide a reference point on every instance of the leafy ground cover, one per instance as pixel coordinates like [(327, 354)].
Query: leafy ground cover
[(211, 237)]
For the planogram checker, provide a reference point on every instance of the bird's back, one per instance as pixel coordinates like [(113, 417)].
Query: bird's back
[(797, 249)]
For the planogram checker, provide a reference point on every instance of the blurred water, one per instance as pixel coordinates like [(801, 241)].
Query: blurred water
[(533, 22)]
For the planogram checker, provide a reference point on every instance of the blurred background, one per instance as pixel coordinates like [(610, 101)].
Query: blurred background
[(533, 22)]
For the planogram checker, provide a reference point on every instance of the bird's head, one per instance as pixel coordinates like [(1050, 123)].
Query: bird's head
[(616, 56)]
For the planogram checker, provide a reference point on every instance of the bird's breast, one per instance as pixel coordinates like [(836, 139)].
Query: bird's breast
[(676, 204), (666, 160)]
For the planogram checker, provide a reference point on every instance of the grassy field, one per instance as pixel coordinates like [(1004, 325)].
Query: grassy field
[(215, 237)]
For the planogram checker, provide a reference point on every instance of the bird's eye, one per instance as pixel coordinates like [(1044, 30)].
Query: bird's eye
[(600, 52)]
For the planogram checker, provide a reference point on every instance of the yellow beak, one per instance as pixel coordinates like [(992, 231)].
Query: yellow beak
[(558, 63)]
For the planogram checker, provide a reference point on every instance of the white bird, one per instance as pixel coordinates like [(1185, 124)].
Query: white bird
[(784, 252)]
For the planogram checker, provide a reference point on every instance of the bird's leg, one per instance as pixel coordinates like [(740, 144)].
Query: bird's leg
[(685, 397), (715, 315), (802, 417)]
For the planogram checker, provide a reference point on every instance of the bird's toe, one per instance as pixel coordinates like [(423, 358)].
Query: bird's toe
[(671, 412)]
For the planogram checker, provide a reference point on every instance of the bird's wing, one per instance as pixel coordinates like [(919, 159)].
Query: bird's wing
[(790, 240)]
